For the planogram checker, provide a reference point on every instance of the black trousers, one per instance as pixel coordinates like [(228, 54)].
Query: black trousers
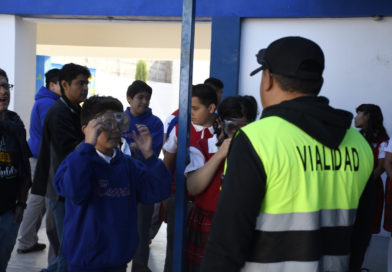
[(144, 217)]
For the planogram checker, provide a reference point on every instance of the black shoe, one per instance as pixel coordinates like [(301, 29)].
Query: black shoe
[(36, 247)]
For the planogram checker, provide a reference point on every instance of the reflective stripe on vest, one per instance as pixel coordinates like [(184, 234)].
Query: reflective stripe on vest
[(327, 264), (312, 191)]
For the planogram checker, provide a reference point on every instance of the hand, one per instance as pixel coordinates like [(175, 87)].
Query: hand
[(18, 216), (134, 145), (93, 130), (224, 149), (144, 141)]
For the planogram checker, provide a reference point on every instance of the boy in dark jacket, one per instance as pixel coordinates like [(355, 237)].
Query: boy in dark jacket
[(102, 188), (36, 206), (15, 178)]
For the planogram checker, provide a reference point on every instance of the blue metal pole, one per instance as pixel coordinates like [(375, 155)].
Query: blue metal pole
[(187, 41)]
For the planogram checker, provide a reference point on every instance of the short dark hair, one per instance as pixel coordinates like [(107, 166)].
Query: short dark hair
[(235, 107), (52, 76), (206, 94), (4, 74), (303, 86), (138, 86), (214, 83), (71, 71), (96, 105)]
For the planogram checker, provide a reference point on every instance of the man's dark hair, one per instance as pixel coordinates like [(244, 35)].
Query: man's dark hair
[(3, 74), (51, 76), (71, 71), (96, 105), (206, 94), (138, 86), (214, 83), (303, 86)]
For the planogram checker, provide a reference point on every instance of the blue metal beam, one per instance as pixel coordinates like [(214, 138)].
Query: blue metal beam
[(205, 8), (225, 52), (187, 42)]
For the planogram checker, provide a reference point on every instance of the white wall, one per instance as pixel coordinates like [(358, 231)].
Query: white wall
[(358, 58), (165, 96), (18, 59)]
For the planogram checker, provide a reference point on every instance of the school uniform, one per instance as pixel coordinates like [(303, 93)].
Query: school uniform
[(388, 198), (167, 215), (378, 146), (101, 195), (200, 216)]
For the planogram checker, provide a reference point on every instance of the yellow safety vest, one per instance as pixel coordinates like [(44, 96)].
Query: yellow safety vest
[(308, 187)]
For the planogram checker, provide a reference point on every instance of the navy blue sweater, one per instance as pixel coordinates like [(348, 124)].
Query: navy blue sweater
[(44, 99), (100, 225), (153, 123)]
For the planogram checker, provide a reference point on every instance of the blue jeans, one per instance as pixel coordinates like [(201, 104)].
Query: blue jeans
[(8, 234), (58, 210)]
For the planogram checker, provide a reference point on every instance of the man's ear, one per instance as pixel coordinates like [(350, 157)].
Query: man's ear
[(64, 84), (83, 128), (129, 99), (268, 80), (212, 108)]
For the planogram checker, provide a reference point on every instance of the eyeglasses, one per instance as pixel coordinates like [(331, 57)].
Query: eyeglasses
[(232, 126), (114, 120), (7, 87)]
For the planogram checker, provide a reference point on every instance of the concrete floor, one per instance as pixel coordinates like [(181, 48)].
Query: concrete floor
[(34, 262)]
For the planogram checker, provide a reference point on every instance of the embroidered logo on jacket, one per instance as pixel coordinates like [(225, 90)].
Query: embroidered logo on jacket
[(103, 190)]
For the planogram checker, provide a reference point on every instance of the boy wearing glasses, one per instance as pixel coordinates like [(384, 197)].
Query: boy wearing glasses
[(15, 179), (102, 188)]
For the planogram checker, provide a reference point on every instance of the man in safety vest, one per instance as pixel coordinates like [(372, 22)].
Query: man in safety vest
[(298, 191)]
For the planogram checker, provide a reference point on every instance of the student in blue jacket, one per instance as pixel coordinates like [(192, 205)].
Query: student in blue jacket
[(139, 96), (102, 188)]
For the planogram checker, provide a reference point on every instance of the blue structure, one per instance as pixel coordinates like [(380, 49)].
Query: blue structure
[(226, 17), (44, 64)]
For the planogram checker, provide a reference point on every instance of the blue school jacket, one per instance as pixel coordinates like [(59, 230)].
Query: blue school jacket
[(100, 224)]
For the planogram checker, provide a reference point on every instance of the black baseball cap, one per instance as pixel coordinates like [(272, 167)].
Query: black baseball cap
[(292, 56)]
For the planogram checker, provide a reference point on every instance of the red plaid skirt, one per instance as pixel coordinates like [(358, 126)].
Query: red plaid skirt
[(378, 206), (388, 206), (198, 232)]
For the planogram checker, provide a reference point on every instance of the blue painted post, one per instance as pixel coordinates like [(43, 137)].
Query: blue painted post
[(225, 52), (187, 41)]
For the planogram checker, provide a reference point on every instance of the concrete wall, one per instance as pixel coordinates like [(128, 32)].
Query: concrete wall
[(358, 58), (18, 59), (165, 96), (135, 40)]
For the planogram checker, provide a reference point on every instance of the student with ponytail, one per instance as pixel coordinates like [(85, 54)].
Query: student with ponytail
[(204, 173), (370, 120)]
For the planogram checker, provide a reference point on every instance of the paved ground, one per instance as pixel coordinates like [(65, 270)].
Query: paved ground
[(34, 262)]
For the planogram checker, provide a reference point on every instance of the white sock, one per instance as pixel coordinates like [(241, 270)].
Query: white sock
[(366, 257), (390, 255)]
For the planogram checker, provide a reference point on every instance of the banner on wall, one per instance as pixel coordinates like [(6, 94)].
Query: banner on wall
[(43, 65)]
